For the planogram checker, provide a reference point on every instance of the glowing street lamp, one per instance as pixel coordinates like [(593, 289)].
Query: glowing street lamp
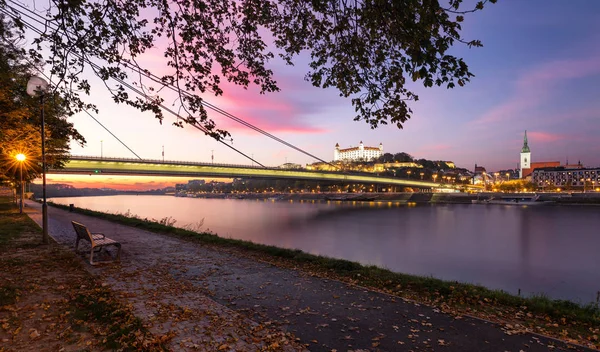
[(38, 86), (21, 158)]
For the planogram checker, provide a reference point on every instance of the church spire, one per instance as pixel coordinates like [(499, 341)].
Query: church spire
[(525, 148)]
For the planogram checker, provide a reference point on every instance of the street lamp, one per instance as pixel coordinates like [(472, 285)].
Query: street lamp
[(21, 158), (38, 86)]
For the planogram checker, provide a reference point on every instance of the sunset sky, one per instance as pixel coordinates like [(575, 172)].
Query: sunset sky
[(538, 71)]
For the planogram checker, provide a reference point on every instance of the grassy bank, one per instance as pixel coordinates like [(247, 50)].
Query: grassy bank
[(47, 298), (559, 318)]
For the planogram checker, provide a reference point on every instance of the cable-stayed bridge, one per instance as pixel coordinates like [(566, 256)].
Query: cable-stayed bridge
[(89, 165), (38, 24)]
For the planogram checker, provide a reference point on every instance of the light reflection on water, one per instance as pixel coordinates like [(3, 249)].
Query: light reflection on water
[(545, 249)]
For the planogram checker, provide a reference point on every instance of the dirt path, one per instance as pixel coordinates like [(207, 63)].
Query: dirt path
[(209, 298)]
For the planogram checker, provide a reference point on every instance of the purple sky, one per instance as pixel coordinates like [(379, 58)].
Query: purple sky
[(539, 70)]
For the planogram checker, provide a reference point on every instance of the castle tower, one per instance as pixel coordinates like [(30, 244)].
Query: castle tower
[(525, 156), (336, 152)]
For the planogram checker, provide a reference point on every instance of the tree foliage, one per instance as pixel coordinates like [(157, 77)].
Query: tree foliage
[(20, 115), (367, 49)]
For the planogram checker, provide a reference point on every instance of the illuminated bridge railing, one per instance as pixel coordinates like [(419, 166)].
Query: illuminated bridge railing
[(167, 162)]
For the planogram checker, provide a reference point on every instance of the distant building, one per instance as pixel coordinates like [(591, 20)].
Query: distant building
[(379, 167), (196, 183), (565, 177), (527, 166), (320, 166), (539, 165), (574, 166), (525, 157), (290, 166), (479, 170), (480, 176), (360, 153)]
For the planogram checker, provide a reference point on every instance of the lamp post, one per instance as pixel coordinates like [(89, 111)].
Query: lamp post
[(21, 158), (38, 86)]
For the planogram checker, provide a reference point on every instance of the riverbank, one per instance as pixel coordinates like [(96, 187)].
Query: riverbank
[(49, 302), (561, 319), (591, 198)]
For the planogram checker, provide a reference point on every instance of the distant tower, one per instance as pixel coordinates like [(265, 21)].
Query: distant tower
[(381, 148), (336, 152), (525, 156)]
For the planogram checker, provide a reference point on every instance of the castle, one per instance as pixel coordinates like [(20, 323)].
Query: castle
[(360, 153)]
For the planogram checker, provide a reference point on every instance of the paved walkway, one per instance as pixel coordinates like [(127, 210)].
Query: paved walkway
[(209, 298)]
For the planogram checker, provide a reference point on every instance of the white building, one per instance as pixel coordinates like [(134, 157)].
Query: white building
[(525, 157), (360, 153)]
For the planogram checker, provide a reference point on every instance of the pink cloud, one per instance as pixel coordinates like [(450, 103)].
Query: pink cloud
[(287, 111), (284, 111), (432, 151), (536, 86), (545, 137), (435, 147)]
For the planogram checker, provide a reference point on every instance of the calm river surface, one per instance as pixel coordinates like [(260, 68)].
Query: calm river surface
[(539, 249)]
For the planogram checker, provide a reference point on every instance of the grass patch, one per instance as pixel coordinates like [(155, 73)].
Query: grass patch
[(464, 296), (12, 223)]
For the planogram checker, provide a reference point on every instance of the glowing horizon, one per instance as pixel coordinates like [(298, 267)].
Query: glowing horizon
[(121, 183)]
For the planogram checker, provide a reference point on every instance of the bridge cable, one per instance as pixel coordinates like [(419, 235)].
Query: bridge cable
[(144, 95), (96, 66), (88, 113), (157, 79)]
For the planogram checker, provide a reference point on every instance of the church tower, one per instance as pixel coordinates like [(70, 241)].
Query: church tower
[(525, 156)]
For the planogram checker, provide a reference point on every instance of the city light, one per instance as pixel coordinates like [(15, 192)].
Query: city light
[(21, 158)]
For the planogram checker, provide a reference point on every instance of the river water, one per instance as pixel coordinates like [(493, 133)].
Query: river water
[(554, 250)]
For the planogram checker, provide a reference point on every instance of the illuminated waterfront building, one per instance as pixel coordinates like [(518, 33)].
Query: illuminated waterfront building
[(564, 177)]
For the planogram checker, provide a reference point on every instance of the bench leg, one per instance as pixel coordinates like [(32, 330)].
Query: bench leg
[(92, 256), (76, 244), (118, 251)]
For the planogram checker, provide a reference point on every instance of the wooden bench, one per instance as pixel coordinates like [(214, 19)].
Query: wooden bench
[(96, 240)]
